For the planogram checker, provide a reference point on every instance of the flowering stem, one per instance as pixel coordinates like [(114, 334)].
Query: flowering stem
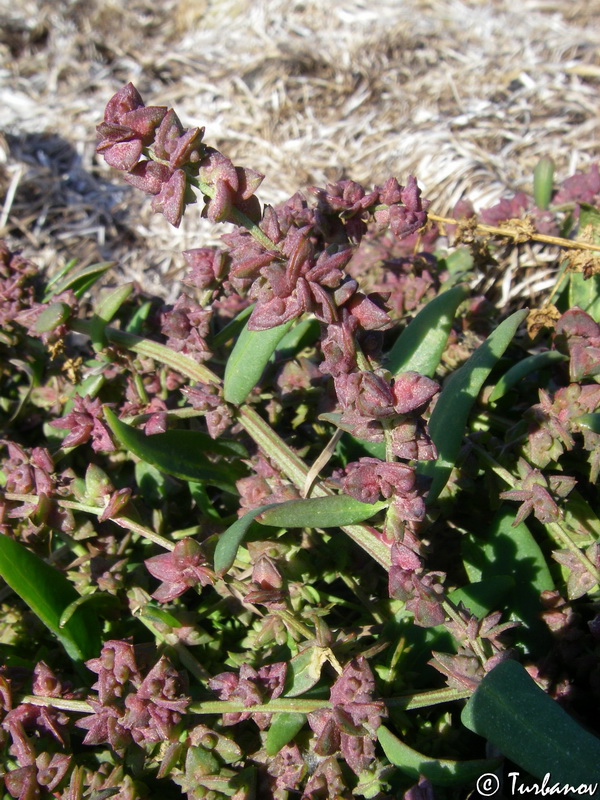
[(235, 215), (159, 352), (457, 618), (296, 470), (280, 704), (123, 522), (517, 233), (563, 537)]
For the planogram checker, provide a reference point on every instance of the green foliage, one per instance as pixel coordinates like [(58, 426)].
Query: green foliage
[(264, 543)]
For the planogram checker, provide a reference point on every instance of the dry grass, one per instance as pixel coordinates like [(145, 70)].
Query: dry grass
[(466, 95)]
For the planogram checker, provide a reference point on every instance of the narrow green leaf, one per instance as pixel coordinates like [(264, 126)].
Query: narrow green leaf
[(105, 310), (159, 352), (48, 593), (503, 549), (319, 512), (523, 368), (232, 329), (248, 359), (138, 318), (52, 316), (589, 421), (283, 729), (590, 216), (583, 292), (304, 333), (231, 539), (99, 603), (511, 711), (451, 412), (439, 771), (421, 344), (543, 182), (70, 265), (285, 459), (182, 453), (304, 671), (80, 280)]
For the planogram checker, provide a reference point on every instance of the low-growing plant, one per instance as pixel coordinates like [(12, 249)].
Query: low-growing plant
[(322, 527)]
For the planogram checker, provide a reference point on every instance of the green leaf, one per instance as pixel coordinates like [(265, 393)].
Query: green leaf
[(503, 549), (421, 344), (181, 453), (583, 292), (283, 729), (138, 318), (232, 329), (48, 594), (590, 216), (100, 603), (439, 771), (80, 280), (523, 368), (304, 333), (482, 597), (543, 181), (231, 539), (511, 711), (453, 406), (304, 671), (52, 316), (248, 360), (589, 421), (319, 512), (104, 311)]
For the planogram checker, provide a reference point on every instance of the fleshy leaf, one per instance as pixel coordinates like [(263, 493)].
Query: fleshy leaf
[(421, 344), (523, 368), (451, 412), (231, 539), (439, 771), (105, 310), (283, 729), (510, 710), (502, 550), (48, 594), (80, 280), (304, 671), (319, 512), (248, 359), (182, 453), (543, 181)]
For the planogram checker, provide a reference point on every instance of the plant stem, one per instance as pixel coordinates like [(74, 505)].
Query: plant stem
[(159, 352), (279, 705), (296, 470), (561, 535), (517, 233)]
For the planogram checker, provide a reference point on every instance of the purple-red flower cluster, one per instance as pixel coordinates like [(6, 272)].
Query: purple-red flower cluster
[(180, 569), (372, 408), (84, 422), (252, 687), (303, 271), (130, 706), (16, 285), (170, 155), (351, 724)]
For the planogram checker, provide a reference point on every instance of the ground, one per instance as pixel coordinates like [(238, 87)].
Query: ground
[(465, 95)]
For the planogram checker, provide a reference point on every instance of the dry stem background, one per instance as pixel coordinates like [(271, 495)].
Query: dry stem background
[(465, 95)]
